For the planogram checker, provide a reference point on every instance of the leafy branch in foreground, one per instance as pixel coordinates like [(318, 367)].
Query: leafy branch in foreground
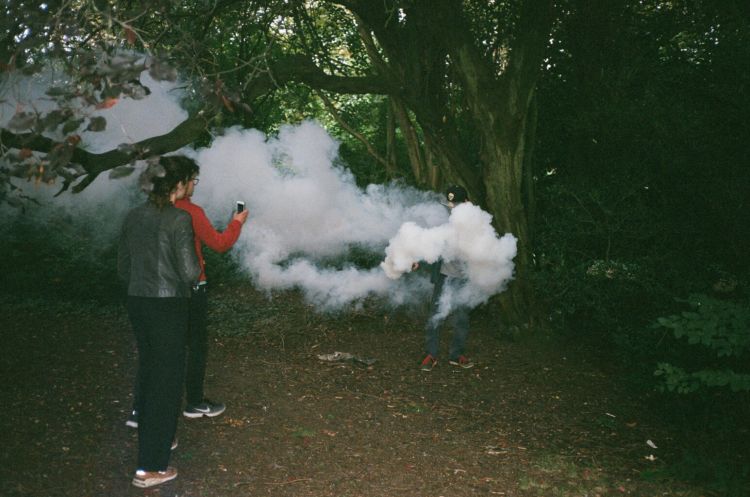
[(722, 327)]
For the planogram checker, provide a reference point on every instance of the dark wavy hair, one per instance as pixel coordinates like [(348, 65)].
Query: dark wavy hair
[(162, 178), (192, 169)]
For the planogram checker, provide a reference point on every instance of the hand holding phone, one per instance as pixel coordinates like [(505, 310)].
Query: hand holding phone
[(240, 214)]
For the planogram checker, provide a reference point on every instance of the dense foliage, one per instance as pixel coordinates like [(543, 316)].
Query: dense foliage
[(641, 164), (723, 329), (642, 187)]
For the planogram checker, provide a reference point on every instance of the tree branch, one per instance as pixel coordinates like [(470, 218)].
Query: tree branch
[(94, 164), (301, 69), (359, 136)]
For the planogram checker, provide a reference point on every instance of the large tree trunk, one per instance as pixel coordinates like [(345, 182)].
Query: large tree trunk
[(500, 108), (504, 199), (415, 57)]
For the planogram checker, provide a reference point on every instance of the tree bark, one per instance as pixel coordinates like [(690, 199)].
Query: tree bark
[(415, 52), (391, 169), (500, 108), (413, 148)]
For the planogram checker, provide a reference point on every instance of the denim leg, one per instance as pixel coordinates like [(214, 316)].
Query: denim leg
[(432, 329), (460, 332)]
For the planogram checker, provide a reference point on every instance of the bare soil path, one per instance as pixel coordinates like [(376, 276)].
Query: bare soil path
[(532, 419)]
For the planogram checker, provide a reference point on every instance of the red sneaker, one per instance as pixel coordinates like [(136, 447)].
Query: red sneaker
[(428, 363), (461, 362)]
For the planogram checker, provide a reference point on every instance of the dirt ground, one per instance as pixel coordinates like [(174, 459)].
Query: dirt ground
[(534, 418)]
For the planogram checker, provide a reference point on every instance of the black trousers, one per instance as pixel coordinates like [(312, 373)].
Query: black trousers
[(197, 350), (197, 346), (160, 326)]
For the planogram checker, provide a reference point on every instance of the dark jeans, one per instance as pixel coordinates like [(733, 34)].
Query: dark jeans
[(197, 345), (460, 318), (196, 340), (160, 326)]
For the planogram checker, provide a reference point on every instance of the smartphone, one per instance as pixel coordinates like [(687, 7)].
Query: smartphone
[(240, 206)]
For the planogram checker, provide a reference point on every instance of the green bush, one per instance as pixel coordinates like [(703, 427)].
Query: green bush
[(59, 258), (722, 329)]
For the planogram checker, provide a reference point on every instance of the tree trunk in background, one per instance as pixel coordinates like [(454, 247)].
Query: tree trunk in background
[(529, 194), (504, 200), (436, 37), (390, 142), (413, 148), (434, 179), (502, 115)]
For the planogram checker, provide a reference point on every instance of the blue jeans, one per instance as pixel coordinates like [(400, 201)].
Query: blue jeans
[(460, 321)]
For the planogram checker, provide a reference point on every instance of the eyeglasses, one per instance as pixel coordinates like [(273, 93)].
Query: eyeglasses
[(195, 181)]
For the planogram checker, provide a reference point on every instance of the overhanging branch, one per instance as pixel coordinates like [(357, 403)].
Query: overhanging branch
[(301, 69), (94, 164)]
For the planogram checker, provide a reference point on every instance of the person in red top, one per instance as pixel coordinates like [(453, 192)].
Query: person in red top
[(197, 405)]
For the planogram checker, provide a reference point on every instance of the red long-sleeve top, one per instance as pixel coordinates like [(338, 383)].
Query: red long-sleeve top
[(205, 233)]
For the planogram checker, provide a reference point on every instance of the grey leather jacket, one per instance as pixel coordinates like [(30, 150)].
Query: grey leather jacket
[(156, 255)]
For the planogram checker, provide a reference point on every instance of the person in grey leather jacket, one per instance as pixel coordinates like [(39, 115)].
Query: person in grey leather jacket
[(157, 261)]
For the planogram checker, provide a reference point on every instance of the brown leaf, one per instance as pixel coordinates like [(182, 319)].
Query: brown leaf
[(130, 35), (227, 103)]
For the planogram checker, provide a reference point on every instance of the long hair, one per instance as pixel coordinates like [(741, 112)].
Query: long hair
[(160, 179)]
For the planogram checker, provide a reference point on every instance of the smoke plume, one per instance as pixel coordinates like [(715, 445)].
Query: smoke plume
[(310, 226), (467, 241), (307, 215)]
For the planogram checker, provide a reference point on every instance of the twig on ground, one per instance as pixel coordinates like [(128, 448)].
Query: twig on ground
[(287, 482)]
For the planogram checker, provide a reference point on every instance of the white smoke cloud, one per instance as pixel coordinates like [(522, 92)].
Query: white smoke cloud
[(306, 212), (128, 121), (307, 215), (467, 241)]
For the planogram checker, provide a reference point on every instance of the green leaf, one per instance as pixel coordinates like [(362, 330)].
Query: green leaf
[(97, 123), (71, 125)]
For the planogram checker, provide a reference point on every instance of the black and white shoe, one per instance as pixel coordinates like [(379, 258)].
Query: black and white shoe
[(205, 408), (132, 421)]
